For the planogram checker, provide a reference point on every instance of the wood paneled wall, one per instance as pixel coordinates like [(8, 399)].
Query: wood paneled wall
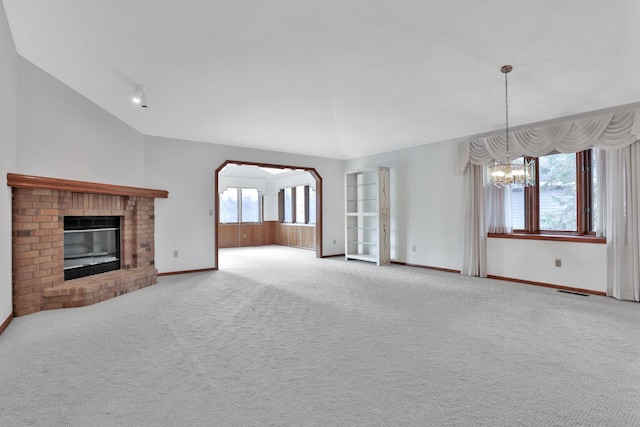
[(236, 235), (267, 233), (296, 236)]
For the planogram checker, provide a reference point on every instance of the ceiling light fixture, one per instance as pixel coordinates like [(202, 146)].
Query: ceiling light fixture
[(517, 173), (139, 96)]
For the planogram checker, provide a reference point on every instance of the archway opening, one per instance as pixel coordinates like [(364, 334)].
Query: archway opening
[(318, 198)]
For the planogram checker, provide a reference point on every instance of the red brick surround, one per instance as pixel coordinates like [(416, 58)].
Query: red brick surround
[(38, 247)]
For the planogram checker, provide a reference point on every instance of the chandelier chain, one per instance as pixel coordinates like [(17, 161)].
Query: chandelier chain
[(506, 111)]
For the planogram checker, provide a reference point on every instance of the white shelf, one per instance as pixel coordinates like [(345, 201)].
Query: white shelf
[(363, 243), (367, 222), (370, 258)]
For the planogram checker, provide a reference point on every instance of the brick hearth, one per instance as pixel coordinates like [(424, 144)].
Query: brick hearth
[(39, 208)]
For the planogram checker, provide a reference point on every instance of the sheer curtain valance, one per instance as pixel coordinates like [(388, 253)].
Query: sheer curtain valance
[(607, 131)]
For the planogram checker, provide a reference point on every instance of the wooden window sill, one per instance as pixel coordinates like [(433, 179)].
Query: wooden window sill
[(559, 237)]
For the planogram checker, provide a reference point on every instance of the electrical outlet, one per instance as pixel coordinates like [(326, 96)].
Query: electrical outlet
[(558, 262), (175, 254), (334, 241), (210, 212), (244, 235), (413, 249)]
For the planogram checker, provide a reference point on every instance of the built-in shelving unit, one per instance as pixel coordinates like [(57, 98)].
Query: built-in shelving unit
[(367, 215)]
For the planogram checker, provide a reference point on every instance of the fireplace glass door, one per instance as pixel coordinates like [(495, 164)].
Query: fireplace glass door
[(91, 245)]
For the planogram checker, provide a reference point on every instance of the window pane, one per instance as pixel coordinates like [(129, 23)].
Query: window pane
[(517, 208), (250, 205), (287, 205), (312, 205), (300, 204), (229, 205), (558, 192)]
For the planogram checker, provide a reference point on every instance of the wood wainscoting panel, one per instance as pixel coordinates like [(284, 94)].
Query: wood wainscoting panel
[(308, 237), (250, 234), (281, 235), (269, 232), (237, 235), (295, 236), (228, 236)]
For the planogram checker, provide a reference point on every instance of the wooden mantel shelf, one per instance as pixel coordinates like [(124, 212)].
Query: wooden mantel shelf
[(29, 181)]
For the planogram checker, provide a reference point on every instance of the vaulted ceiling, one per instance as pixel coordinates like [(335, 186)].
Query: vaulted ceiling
[(335, 78)]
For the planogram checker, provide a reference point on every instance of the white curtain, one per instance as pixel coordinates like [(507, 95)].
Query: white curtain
[(601, 191), (607, 131), (623, 222), (498, 199), (474, 258)]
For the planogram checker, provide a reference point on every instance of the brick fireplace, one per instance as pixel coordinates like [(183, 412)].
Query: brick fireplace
[(39, 208)]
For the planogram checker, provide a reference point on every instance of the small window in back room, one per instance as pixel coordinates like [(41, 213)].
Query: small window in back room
[(240, 205)]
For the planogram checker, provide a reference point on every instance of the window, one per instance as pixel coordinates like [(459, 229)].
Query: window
[(240, 203), (288, 205), (557, 192), (563, 199), (297, 205), (229, 205), (312, 205), (301, 205), (250, 206)]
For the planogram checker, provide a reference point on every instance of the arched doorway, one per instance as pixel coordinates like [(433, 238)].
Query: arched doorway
[(318, 182)]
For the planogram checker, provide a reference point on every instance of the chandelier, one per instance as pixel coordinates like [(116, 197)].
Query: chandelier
[(517, 173)]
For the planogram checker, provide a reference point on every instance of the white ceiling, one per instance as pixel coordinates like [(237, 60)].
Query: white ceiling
[(335, 78)]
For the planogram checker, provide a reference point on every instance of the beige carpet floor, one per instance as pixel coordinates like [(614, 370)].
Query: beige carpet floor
[(280, 338)]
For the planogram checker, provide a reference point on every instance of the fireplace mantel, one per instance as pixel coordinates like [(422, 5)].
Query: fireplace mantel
[(39, 206), (29, 181)]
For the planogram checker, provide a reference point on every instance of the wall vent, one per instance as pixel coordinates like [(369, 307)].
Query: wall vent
[(573, 293)]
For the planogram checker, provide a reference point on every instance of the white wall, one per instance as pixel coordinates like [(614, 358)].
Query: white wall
[(261, 184), (426, 204), (187, 170), (584, 265), (8, 113), (61, 134), (293, 180)]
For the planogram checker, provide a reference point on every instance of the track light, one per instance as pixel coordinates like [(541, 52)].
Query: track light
[(139, 97)]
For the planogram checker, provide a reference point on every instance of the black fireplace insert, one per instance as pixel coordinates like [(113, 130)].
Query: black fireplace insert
[(91, 245)]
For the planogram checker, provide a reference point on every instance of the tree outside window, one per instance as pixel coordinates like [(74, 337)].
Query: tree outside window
[(250, 205), (558, 197), (228, 201), (563, 199)]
